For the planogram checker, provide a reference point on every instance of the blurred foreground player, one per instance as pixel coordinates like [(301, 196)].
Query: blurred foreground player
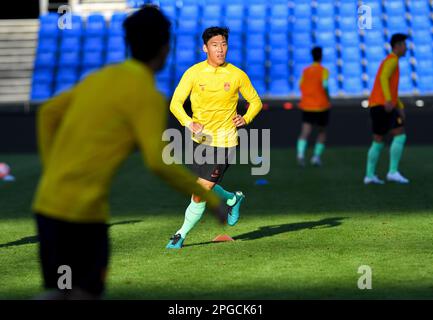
[(315, 107), (213, 86), (84, 135), (387, 115)]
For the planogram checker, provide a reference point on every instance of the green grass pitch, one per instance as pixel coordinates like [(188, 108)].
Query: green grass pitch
[(302, 236)]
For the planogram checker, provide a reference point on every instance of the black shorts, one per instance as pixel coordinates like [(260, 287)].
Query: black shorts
[(81, 246), (210, 163), (320, 118), (384, 121)]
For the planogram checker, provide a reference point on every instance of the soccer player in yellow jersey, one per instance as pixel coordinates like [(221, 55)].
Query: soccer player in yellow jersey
[(213, 86), (84, 135), (387, 114)]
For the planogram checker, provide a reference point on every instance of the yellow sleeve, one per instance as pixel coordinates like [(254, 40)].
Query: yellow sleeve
[(180, 94), (400, 104), (325, 75), (250, 94), (149, 120), (387, 71), (48, 120)]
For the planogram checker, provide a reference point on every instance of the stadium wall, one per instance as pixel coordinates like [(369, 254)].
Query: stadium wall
[(349, 124)]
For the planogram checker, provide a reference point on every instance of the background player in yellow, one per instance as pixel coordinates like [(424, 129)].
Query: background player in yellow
[(83, 136), (213, 86), (315, 107), (387, 114)]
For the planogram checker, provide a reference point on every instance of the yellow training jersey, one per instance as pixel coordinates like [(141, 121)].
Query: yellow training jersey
[(214, 94), (85, 133)]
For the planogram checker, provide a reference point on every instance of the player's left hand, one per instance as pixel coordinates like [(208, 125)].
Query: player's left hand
[(239, 121)]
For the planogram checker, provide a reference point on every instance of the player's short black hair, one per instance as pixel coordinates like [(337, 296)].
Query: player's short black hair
[(398, 37), (316, 52), (147, 30), (215, 31)]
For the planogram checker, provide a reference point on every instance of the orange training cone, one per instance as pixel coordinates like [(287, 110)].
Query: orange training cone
[(223, 238)]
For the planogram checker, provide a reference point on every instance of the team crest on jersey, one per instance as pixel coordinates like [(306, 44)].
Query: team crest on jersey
[(226, 86), (202, 86)]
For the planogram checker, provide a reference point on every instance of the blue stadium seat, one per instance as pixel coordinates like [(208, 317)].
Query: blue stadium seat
[(395, 8), (329, 55), (419, 7), (347, 24), (405, 84), (396, 25), (41, 91), (424, 66), (279, 11), (376, 7), (43, 75), (374, 37), (279, 71), (187, 26), (325, 24), (164, 86), (188, 12), (256, 25), (259, 85), (48, 25), (255, 56), (93, 59), (349, 38), (235, 57), (299, 68), (375, 53), (351, 70), (212, 12), (170, 12), (115, 56), (255, 40), (278, 25), (234, 11), (422, 37), (353, 86), (47, 44), (96, 25), (425, 84), (70, 43), (351, 54), (377, 22), (67, 75), (165, 73), (86, 71), (302, 55), (332, 68), (348, 9), (423, 51), (206, 23), (279, 87), (302, 25), (94, 44), (325, 39), (372, 68), (278, 40), (185, 41), (116, 24), (333, 86), (185, 56), (235, 41), (235, 25), (301, 39), (257, 11), (45, 59), (302, 10), (256, 71), (325, 9), (279, 55), (76, 29), (116, 43), (421, 22)]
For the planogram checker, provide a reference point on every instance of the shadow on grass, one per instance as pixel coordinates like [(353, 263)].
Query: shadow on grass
[(34, 239), (269, 231)]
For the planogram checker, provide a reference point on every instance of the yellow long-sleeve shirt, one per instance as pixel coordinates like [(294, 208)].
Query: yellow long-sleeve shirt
[(85, 134), (214, 94), (386, 72)]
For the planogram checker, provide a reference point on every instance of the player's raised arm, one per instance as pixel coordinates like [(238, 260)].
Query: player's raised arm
[(149, 120), (180, 94), (250, 94), (49, 118)]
